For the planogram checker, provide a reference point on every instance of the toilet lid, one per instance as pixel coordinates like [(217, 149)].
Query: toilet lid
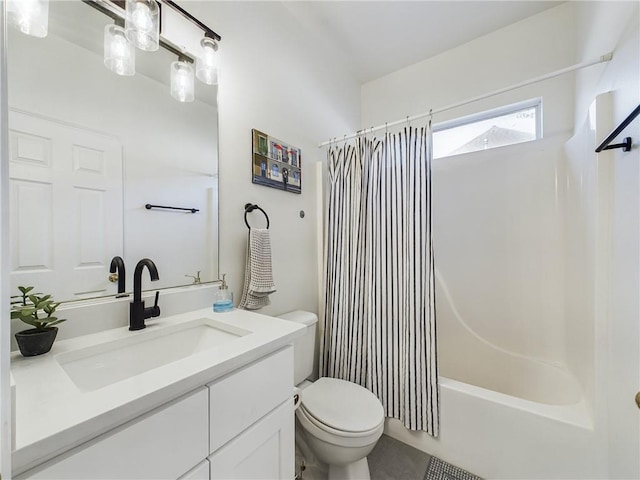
[(342, 405)]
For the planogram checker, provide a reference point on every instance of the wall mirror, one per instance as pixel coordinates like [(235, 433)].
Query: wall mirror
[(89, 149)]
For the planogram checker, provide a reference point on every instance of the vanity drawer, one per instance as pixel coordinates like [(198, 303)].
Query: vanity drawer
[(243, 397), (163, 444)]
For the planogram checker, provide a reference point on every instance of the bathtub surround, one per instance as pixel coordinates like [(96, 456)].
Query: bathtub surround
[(380, 304)]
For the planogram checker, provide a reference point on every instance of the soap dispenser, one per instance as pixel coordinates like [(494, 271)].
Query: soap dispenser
[(223, 298)]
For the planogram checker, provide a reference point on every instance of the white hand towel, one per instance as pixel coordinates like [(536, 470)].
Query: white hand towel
[(258, 277)]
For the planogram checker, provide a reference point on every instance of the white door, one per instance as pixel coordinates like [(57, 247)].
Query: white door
[(66, 207)]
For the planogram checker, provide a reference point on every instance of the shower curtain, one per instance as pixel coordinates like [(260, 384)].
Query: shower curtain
[(379, 328)]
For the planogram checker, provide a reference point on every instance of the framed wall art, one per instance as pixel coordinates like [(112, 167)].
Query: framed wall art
[(275, 163)]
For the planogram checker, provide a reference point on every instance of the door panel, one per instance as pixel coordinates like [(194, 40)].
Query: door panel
[(65, 188)]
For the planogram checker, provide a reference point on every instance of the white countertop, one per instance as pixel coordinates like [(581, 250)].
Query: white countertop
[(54, 415)]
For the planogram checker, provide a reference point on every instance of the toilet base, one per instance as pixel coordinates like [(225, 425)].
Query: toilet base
[(352, 471)]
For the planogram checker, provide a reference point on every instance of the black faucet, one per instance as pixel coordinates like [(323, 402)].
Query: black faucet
[(117, 265), (137, 312)]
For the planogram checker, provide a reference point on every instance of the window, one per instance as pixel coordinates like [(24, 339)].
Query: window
[(515, 123)]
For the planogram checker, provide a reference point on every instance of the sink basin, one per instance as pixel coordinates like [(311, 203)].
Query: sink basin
[(100, 365)]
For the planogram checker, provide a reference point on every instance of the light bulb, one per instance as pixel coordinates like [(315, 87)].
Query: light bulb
[(182, 81), (119, 53), (141, 17), (31, 17), (207, 63), (142, 24)]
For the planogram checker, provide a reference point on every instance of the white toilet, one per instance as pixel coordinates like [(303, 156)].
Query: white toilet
[(341, 421)]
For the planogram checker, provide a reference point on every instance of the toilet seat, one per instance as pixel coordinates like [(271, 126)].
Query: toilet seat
[(336, 437), (337, 431), (342, 405), (341, 412)]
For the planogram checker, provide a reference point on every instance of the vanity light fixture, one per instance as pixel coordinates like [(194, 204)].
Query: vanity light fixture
[(142, 24), (119, 53), (142, 29), (182, 80), (207, 62), (31, 17)]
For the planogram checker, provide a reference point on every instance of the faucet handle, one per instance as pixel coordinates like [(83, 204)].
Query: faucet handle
[(196, 277), (155, 310)]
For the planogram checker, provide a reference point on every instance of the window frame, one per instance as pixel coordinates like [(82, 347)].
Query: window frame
[(535, 103)]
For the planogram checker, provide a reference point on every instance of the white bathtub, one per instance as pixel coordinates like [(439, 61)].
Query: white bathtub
[(500, 436), (504, 415)]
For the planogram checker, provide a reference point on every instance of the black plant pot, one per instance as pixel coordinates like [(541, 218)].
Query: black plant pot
[(34, 342)]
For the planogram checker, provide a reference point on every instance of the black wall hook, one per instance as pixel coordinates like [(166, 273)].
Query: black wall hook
[(249, 207)]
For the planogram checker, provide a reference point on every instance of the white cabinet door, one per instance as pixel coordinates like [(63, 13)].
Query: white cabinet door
[(248, 394), (163, 444), (265, 451)]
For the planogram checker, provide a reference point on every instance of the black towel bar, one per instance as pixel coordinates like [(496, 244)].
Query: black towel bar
[(249, 207), (626, 144), (148, 206)]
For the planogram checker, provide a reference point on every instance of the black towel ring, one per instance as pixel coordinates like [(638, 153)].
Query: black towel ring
[(250, 208)]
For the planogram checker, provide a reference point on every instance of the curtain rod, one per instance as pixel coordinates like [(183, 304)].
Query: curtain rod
[(601, 59)]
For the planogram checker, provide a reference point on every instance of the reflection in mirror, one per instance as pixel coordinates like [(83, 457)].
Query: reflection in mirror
[(89, 149)]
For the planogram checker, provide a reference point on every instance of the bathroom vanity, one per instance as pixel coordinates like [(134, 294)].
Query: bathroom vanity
[(195, 396)]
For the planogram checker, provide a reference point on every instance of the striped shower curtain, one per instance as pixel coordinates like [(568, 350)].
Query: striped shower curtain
[(379, 326)]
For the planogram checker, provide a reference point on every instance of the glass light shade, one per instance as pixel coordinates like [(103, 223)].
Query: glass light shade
[(119, 53), (29, 16), (207, 62), (142, 24), (182, 82)]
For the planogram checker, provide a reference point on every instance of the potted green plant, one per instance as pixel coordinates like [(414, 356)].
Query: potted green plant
[(36, 310)]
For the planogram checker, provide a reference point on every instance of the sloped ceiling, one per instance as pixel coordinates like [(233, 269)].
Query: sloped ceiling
[(378, 37)]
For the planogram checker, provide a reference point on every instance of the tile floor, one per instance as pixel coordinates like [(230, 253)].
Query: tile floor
[(394, 460), (389, 460)]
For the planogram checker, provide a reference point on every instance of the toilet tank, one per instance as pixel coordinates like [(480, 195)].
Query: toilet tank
[(303, 347)]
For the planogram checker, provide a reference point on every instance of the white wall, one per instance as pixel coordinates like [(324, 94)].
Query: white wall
[(603, 26), (5, 396), (278, 80)]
